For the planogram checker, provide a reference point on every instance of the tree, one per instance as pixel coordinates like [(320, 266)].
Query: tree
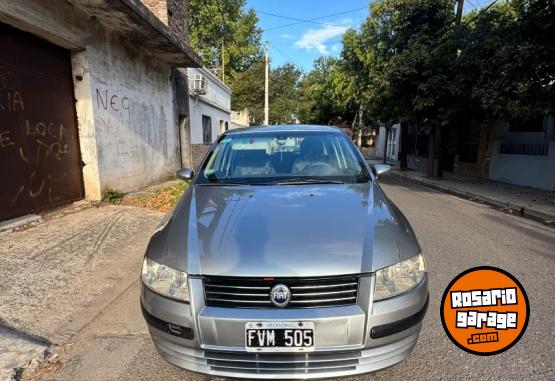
[(352, 80), (408, 59), (224, 29), (248, 91), (315, 92), (284, 94), (506, 60), (411, 63)]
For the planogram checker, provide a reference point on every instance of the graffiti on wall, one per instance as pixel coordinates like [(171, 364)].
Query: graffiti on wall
[(113, 111), (111, 101), (34, 145), (10, 97)]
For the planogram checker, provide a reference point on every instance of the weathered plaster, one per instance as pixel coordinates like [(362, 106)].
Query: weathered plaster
[(127, 115)]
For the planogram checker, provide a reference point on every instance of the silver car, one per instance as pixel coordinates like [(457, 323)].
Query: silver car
[(284, 259)]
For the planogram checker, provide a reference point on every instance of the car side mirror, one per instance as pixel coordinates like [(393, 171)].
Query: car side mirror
[(186, 174), (380, 169)]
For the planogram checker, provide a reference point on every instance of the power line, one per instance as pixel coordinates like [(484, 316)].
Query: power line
[(312, 20), (281, 52), (482, 10), (300, 20), (472, 4)]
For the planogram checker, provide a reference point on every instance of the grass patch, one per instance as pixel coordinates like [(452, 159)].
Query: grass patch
[(112, 195), (163, 199)]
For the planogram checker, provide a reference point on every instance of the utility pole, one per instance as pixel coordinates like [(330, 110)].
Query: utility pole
[(359, 137), (266, 90), (223, 63), (458, 15)]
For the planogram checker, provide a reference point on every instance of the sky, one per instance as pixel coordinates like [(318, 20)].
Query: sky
[(301, 42)]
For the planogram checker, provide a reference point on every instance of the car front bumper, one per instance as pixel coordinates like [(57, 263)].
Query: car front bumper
[(349, 340)]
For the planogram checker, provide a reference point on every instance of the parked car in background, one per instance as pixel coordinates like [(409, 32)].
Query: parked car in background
[(284, 259)]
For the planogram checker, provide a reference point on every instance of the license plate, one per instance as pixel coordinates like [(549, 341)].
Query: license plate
[(277, 336)]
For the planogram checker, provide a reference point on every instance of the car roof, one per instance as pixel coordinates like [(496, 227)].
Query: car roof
[(283, 128)]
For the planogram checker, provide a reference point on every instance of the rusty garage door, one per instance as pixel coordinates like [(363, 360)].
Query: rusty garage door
[(40, 163)]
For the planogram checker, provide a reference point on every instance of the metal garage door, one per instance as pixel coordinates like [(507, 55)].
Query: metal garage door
[(40, 162)]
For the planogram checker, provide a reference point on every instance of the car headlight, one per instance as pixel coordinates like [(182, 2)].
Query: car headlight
[(399, 278), (164, 280)]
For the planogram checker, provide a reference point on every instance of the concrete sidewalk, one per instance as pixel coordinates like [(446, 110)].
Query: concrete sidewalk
[(58, 275), (532, 203)]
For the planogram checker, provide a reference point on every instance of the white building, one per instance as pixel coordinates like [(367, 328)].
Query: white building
[(209, 106), (524, 154), (240, 119), (209, 110), (393, 140)]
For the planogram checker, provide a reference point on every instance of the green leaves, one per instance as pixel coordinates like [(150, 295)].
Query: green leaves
[(224, 29), (410, 62), (507, 61)]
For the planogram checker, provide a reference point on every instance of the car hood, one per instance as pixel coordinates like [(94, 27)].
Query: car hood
[(282, 230)]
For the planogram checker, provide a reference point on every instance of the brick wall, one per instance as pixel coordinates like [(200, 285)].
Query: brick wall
[(198, 153), (159, 8), (172, 13), (177, 13)]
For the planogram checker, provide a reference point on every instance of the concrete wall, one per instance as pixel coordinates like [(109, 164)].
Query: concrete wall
[(137, 134), (216, 104), (503, 132), (127, 122), (526, 170)]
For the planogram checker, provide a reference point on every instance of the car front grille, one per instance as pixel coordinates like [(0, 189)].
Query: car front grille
[(283, 363), (305, 292)]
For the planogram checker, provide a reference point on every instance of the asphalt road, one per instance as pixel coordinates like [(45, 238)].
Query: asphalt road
[(455, 235)]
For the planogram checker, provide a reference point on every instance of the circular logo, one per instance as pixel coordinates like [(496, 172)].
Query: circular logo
[(280, 295), (485, 310)]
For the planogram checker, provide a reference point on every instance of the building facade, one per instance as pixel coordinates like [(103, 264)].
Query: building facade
[(210, 110), (90, 99), (241, 119), (524, 154), (519, 154), (392, 144)]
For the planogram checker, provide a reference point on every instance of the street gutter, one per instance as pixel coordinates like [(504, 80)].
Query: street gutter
[(507, 207)]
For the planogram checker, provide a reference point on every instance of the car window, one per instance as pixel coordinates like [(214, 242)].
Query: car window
[(273, 157)]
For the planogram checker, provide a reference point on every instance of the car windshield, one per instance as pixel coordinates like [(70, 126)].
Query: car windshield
[(283, 158)]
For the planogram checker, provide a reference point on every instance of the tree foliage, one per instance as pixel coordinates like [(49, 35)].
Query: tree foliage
[(284, 93), (321, 99), (248, 91), (506, 64), (224, 26), (410, 62)]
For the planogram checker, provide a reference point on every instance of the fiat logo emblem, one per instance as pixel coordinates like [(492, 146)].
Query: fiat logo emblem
[(280, 295)]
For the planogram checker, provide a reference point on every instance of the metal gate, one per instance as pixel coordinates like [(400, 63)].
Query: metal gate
[(40, 162)]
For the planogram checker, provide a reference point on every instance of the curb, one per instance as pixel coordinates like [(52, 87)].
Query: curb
[(546, 219)]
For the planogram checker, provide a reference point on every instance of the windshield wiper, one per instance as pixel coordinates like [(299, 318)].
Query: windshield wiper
[(296, 181)]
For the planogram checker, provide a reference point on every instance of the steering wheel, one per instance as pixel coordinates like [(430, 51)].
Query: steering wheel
[(319, 169)]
